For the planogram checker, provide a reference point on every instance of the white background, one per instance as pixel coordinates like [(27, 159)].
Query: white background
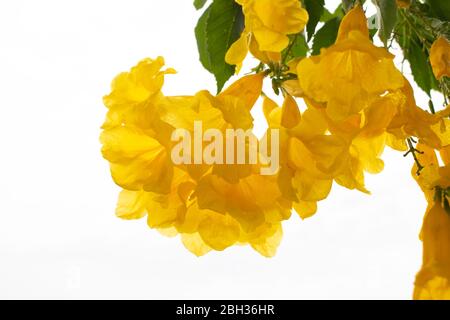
[(59, 237)]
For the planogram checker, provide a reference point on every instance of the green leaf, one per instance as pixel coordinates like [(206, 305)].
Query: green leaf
[(347, 4), (315, 10), (217, 29), (387, 16), (419, 67), (418, 60), (201, 36), (415, 51), (440, 8), (373, 26), (327, 15), (298, 47), (326, 36), (198, 4)]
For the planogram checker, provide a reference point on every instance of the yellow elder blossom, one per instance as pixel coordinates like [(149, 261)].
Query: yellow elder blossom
[(205, 229), (230, 109), (366, 136), (267, 26), (212, 207), (315, 150), (357, 71), (412, 121), (301, 177), (440, 58), (131, 137), (131, 91), (359, 141), (433, 280), (238, 51)]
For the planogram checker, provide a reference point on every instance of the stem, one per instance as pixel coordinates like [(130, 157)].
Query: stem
[(414, 152), (288, 50), (426, 44)]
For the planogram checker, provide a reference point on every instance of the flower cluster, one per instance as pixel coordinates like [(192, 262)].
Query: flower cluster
[(433, 280), (357, 104), (211, 206)]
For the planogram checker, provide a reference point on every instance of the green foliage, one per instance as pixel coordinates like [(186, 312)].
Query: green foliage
[(372, 25), (198, 4), (420, 67), (300, 47), (327, 15), (326, 36), (387, 16), (416, 31), (414, 28), (218, 28), (315, 10), (440, 8), (297, 49)]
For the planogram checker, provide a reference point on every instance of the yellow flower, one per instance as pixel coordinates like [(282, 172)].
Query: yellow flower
[(138, 161), (238, 51), (230, 109), (208, 230), (138, 158), (315, 150), (367, 142), (214, 214), (252, 201), (272, 20), (212, 206), (412, 121), (433, 280), (267, 26), (305, 158), (354, 146), (440, 58), (134, 90), (164, 209), (351, 74)]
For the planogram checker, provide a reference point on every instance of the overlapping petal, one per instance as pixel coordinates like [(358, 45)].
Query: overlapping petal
[(440, 58), (358, 72), (267, 26)]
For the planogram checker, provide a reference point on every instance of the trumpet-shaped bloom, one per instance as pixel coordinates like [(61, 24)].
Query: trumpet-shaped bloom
[(134, 91), (238, 51), (440, 58), (347, 149), (267, 26), (302, 177), (272, 20), (138, 158), (412, 121), (212, 206), (204, 225), (433, 280), (351, 74)]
